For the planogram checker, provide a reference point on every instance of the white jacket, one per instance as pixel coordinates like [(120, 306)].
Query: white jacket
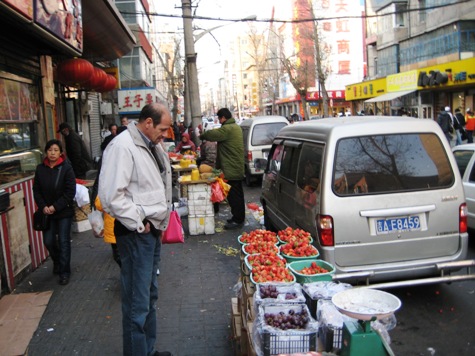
[(131, 187)]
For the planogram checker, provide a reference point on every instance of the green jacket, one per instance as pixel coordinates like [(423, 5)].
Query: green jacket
[(230, 157)]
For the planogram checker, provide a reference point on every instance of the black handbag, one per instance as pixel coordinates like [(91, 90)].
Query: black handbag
[(40, 221)]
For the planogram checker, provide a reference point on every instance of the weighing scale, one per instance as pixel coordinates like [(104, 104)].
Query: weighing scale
[(366, 305)]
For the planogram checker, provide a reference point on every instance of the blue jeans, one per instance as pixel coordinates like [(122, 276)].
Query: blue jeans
[(139, 256), (59, 248)]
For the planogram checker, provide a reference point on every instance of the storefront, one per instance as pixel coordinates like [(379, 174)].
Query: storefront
[(418, 93), (35, 36)]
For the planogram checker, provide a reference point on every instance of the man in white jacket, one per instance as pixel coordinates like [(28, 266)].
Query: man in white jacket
[(135, 188)]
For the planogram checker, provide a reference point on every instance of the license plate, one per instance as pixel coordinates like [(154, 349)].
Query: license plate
[(408, 223)]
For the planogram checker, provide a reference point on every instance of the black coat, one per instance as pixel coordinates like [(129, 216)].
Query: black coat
[(61, 196), (77, 153)]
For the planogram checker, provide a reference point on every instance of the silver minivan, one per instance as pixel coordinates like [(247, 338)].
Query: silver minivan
[(258, 133), (381, 196)]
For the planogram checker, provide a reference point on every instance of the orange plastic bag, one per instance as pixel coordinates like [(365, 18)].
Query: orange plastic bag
[(217, 195)]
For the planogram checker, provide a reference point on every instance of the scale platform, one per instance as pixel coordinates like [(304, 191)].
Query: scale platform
[(365, 305)]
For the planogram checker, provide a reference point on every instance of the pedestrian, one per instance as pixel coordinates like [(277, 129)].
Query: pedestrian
[(230, 159), (54, 189), (445, 122), (137, 193), (76, 151), (108, 234), (113, 133), (185, 144), (459, 127), (176, 132), (470, 125), (124, 121)]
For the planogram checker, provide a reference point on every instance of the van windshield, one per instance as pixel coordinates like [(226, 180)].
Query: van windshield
[(263, 134), (391, 163)]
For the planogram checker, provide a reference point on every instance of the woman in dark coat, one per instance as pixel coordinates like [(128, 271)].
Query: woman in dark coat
[(54, 188)]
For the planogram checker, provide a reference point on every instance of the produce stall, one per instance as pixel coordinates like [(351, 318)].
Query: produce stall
[(285, 304)]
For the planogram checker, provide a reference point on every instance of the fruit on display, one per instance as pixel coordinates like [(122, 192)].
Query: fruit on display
[(261, 274), (289, 234), (296, 249), (258, 235), (260, 247), (313, 269), (287, 320), (270, 291), (204, 168), (266, 259)]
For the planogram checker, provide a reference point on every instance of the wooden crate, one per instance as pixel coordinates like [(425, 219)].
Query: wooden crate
[(81, 213)]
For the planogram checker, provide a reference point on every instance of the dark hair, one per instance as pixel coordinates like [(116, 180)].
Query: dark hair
[(224, 112), (154, 111), (54, 142), (112, 125)]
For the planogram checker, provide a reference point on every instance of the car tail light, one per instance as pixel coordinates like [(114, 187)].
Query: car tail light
[(325, 230), (249, 156), (463, 218)]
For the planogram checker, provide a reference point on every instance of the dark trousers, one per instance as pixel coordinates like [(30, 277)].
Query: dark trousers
[(236, 201)]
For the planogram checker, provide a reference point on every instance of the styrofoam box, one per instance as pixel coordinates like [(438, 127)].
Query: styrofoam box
[(201, 224), (200, 207), (199, 192)]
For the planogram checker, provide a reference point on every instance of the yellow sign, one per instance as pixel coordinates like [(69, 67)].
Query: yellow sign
[(365, 90), (448, 74), (402, 81)]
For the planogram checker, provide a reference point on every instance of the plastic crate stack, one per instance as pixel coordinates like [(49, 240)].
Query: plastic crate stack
[(200, 209)]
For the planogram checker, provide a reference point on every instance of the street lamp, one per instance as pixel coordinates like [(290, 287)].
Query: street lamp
[(192, 87)]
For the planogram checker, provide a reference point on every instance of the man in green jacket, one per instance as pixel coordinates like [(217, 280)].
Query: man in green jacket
[(230, 160)]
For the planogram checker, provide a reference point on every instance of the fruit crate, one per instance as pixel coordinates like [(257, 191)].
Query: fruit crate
[(281, 289), (320, 291), (297, 266), (294, 258), (331, 337), (276, 341)]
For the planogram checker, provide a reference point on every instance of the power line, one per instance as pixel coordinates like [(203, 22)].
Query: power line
[(313, 19)]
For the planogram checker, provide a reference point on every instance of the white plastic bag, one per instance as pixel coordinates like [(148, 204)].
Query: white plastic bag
[(97, 223), (82, 195)]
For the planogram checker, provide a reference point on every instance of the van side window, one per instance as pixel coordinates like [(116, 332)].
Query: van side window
[(263, 134), (308, 177), (288, 169), (463, 158), (276, 158), (391, 163)]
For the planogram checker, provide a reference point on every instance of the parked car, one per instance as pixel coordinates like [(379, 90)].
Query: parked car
[(465, 157), (381, 196), (258, 133)]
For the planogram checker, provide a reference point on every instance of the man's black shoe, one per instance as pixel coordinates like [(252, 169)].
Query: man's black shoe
[(162, 353), (233, 225), (63, 280), (230, 220)]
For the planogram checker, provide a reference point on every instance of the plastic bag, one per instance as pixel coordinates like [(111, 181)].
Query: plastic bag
[(174, 233), (97, 223), (82, 195), (216, 192), (224, 186)]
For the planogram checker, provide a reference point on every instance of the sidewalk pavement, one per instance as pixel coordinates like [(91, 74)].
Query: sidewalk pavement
[(196, 284)]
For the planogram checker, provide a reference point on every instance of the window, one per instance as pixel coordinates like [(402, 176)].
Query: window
[(263, 134), (288, 169), (390, 163), (463, 158)]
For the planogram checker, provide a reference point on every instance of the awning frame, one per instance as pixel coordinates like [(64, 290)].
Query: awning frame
[(390, 96)]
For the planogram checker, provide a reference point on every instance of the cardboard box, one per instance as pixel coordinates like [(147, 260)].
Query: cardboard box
[(250, 343), (235, 306), (201, 224), (80, 226)]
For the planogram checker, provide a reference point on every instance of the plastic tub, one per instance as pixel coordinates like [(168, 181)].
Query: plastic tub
[(297, 266), (294, 258)]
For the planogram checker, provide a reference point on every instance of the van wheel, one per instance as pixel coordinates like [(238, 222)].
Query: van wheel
[(267, 222), (248, 178)]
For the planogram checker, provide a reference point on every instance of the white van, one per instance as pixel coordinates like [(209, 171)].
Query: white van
[(258, 133), (381, 196)]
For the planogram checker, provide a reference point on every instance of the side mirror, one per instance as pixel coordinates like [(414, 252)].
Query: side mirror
[(260, 163)]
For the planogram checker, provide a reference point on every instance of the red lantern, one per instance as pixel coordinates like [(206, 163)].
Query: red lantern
[(109, 85), (96, 81), (74, 71)]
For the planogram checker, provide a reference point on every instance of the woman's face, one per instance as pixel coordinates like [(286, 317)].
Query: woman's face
[(53, 153)]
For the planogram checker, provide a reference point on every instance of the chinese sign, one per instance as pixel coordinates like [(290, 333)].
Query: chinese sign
[(132, 100), (18, 101), (24, 7)]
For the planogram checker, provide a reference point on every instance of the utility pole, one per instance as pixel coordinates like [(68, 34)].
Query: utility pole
[(193, 89)]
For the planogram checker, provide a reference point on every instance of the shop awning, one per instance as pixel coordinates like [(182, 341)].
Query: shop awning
[(390, 96), (106, 34)]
